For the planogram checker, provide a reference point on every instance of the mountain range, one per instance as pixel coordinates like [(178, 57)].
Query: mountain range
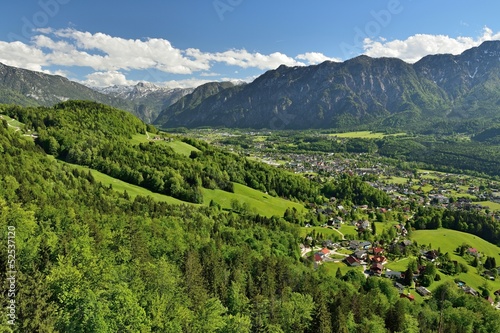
[(385, 92), (148, 99), (362, 92), (30, 88)]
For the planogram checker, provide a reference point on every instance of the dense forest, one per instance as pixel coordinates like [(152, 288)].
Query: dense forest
[(89, 259), (98, 136)]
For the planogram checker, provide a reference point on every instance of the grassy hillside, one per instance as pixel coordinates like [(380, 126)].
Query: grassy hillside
[(121, 186), (260, 202), (178, 146), (263, 204), (448, 240)]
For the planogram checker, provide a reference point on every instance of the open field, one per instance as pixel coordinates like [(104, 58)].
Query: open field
[(181, 147), (327, 232), (429, 174), (426, 188), (11, 121), (360, 134), (178, 146), (396, 180), (348, 230), (263, 203), (121, 186), (140, 138), (492, 205), (448, 240), (399, 265), (364, 135)]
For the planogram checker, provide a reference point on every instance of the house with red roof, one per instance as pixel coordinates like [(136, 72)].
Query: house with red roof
[(325, 251), (377, 251), (472, 251), (377, 269), (408, 296), (352, 261), (378, 259)]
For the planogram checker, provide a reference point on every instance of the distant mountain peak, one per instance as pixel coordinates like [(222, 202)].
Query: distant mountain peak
[(359, 91)]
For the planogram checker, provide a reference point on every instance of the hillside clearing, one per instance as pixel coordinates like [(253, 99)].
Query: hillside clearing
[(264, 204)]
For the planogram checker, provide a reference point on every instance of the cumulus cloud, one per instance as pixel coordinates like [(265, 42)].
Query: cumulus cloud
[(244, 59), (112, 57), (416, 47), (106, 79), (18, 54), (314, 58)]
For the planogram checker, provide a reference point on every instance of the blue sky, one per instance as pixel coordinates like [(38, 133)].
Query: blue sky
[(186, 43)]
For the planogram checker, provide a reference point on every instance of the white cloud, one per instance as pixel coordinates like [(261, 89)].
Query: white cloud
[(209, 74), (105, 53), (18, 54), (244, 59), (187, 83), (314, 58), (106, 79), (416, 47), (111, 57)]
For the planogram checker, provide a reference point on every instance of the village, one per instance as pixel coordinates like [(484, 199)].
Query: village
[(341, 235), (422, 188), (374, 259)]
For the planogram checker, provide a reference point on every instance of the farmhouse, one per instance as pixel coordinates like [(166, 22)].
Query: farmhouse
[(472, 251), (352, 261), (408, 296), (393, 274), (377, 269), (378, 259), (423, 291), (377, 251)]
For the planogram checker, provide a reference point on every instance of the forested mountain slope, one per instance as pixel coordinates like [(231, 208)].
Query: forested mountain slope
[(88, 259), (98, 136), (364, 91)]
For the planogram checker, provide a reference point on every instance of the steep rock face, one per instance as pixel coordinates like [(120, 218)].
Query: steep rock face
[(327, 95), (362, 90), (471, 79)]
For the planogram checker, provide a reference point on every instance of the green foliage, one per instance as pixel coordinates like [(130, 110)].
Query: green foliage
[(98, 136), (90, 259), (353, 189)]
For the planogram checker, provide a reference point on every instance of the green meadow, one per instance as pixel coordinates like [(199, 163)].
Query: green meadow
[(12, 122), (178, 146), (327, 232), (448, 240), (263, 204), (260, 202), (364, 135), (492, 205)]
